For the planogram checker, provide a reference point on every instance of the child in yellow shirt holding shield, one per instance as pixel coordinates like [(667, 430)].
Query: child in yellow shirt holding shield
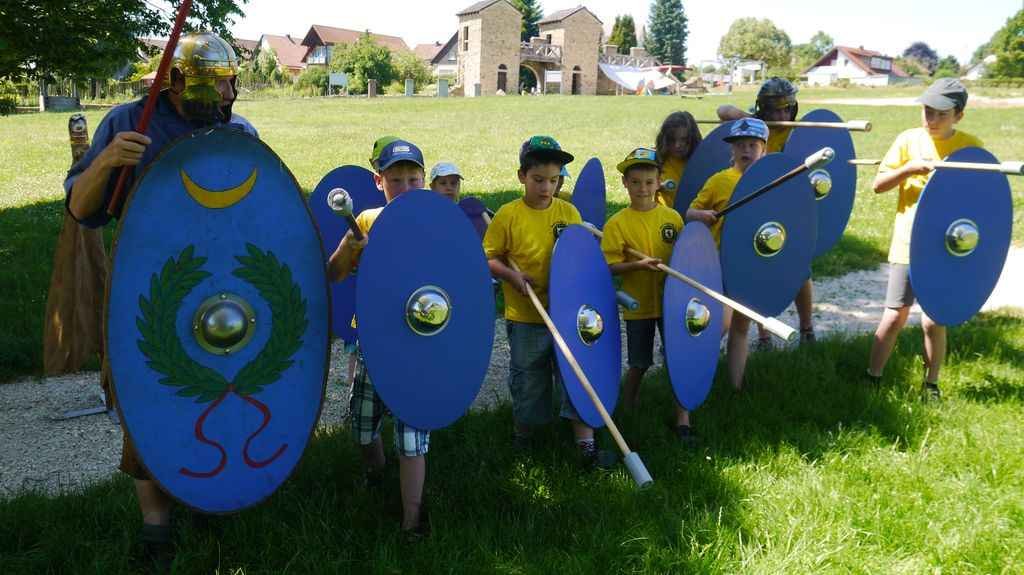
[(748, 139), (907, 166), (650, 228)]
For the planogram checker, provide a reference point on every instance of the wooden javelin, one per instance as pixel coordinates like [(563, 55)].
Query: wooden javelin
[(154, 91), (773, 325), (852, 125), (1008, 168), (632, 459)]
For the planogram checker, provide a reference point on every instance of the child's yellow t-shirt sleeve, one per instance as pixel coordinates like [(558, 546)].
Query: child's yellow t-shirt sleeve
[(705, 197), (496, 237), (896, 156), (613, 244)]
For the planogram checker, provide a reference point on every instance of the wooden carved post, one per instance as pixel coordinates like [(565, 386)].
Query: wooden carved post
[(73, 327)]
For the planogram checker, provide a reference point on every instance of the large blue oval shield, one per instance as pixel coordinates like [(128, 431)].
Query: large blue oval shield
[(711, 156), (958, 248), (426, 309), (692, 320), (359, 184), (768, 244), (217, 321), (584, 311), (589, 194), (836, 204)]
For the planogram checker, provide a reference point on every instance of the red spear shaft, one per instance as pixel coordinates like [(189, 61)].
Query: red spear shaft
[(154, 92)]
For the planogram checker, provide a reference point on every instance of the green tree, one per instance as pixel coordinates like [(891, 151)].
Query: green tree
[(623, 33), (822, 42), (1008, 46), (363, 60), (532, 13), (911, 66), (666, 33), (948, 67), (753, 39), (313, 81), (408, 65), (923, 54), (48, 38)]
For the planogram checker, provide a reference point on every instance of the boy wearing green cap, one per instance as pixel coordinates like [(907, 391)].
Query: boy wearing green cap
[(650, 228), (907, 166), (524, 232)]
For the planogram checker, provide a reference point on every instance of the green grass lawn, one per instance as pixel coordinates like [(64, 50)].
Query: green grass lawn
[(808, 471), (314, 136)]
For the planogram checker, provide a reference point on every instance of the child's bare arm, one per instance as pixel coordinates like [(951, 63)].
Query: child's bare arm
[(343, 259), (888, 180), (707, 217), (505, 273), (646, 264), (727, 112)]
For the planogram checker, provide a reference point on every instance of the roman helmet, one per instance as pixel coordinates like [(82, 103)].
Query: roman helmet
[(203, 58), (776, 93)]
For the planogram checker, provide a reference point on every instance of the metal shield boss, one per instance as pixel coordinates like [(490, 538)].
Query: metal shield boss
[(767, 245), (359, 184), (426, 309), (217, 327), (835, 185), (692, 320), (960, 239), (589, 194), (583, 308), (711, 156)]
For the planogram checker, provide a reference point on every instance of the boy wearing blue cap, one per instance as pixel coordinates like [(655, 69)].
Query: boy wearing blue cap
[(650, 228), (907, 166), (748, 138), (524, 231), (399, 167)]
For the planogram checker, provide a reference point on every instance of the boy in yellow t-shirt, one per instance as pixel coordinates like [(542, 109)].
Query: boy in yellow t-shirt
[(524, 232), (907, 166), (652, 229), (399, 167), (776, 102), (748, 139)]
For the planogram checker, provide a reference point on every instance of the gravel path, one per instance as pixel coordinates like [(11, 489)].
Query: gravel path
[(40, 453)]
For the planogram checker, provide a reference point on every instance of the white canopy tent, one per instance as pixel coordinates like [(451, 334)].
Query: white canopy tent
[(631, 78)]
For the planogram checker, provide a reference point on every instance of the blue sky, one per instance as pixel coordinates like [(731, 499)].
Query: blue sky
[(889, 26)]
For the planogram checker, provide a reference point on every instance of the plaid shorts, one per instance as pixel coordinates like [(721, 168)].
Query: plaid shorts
[(366, 414)]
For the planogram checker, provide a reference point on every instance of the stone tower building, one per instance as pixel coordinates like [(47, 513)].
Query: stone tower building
[(578, 31), (489, 46)]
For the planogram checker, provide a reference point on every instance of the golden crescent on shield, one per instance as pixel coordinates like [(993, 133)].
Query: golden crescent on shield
[(217, 199)]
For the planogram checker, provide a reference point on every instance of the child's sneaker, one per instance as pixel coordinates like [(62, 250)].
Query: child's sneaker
[(807, 336), (421, 531), (763, 343), (930, 392), (521, 442), (687, 436)]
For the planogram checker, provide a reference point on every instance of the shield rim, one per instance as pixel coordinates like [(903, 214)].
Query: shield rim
[(125, 210), (485, 283), (757, 305), (717, 323), (834, 117), (617, 331), (1005, 251), (330, 285), (592, 165)]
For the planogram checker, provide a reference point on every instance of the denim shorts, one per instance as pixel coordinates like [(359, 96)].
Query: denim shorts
[(533, 378)]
